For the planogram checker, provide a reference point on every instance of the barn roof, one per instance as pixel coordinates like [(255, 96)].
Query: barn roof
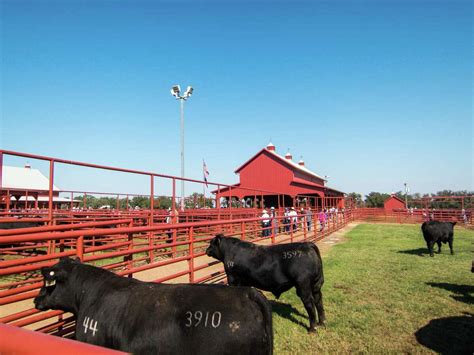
[(288, 162), (26, 178), (395, 197)]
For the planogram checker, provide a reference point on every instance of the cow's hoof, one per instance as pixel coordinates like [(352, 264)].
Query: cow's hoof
[(312, 330), (322, 324), (431, 255)]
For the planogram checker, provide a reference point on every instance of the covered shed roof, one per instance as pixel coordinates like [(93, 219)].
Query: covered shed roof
[(26, 178)]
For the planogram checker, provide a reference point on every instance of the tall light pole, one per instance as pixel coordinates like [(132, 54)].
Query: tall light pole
[(176, 92), (406, 192)]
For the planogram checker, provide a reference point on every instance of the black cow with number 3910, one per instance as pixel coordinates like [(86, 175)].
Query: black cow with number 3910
[(275, 268), (149, 318)]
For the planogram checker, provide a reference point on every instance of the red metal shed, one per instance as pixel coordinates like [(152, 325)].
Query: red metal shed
[(289, 183), (393, 203)]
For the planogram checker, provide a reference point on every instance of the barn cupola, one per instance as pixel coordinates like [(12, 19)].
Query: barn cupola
[(271, 147), (288, 155), (301, 162)]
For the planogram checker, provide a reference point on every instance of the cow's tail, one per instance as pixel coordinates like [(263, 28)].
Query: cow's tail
[(320, 275), (266, 310)]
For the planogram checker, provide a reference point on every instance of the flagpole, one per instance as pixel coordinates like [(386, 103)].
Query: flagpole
[(203, 185), (205, 173)]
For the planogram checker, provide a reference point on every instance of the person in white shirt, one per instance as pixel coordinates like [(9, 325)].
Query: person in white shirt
[(294, 219), (265, 224)]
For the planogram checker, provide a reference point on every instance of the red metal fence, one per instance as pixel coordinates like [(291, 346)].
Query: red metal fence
[(141, 244), (461, 216), (141, 251)]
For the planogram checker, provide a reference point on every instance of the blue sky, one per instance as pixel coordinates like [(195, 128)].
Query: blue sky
[(371, 93)]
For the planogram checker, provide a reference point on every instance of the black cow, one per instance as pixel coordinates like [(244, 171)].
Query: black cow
[(437, 232), (148, 318), (275, 268)]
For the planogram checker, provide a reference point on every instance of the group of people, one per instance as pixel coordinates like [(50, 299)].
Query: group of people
[(293, 221)]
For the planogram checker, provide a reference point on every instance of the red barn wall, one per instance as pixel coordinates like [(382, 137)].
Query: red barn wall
[(393, 203), (267, 173)]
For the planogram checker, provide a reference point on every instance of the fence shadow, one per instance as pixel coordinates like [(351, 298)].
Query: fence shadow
[(289, 312), (419, 252), (451, 335), (462, 293)]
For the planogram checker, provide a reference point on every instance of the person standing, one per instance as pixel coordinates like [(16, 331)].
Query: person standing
[(322, 219), (286, 220), (274, 217), (293, 219), (309, 218), (171, 218), (265, 223)]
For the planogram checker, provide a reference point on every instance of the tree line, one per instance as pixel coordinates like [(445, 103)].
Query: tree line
[(377, 199), (195, 200)]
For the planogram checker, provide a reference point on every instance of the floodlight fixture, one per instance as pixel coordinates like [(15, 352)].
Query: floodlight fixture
[(188, 92), (175, 90)]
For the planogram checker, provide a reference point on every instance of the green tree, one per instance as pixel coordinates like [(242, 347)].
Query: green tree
[(375, 199), (356, 199), (196, 200)]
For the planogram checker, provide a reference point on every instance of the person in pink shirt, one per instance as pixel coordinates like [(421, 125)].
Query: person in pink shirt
[(322, 219)]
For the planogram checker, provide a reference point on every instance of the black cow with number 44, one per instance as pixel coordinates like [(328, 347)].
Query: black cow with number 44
[(438, 232), (275, 268), (149, 318)]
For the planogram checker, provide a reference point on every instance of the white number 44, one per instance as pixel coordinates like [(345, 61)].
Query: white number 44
[(90, 325)]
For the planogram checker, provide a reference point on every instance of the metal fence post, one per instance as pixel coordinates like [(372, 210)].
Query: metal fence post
[(191, 255)]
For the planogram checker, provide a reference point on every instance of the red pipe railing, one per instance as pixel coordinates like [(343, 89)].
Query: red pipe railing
[(21, 341)]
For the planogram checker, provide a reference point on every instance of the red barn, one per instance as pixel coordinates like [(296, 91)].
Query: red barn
[(285, 182), (393, 203)]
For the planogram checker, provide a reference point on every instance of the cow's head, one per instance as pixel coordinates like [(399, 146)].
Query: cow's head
[(453, 223), (214, 250), (57, 292)]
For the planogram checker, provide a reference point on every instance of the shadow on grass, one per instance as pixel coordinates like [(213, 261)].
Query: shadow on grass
[(451, 335), (289, 312), (463, 293), (419, 252)]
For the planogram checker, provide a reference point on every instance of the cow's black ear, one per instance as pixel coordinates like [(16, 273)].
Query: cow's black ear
[(454, 223), (218, 238), (77, 260)]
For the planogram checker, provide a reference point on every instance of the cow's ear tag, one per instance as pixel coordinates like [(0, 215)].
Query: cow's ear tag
[(50, 283)]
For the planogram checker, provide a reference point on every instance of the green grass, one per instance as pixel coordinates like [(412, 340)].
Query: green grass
[(384, 294)]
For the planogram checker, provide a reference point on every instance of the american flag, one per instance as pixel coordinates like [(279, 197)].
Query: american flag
[(205, 172)]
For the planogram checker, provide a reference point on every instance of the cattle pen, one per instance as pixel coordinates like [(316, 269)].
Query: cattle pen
[(157, 243)]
